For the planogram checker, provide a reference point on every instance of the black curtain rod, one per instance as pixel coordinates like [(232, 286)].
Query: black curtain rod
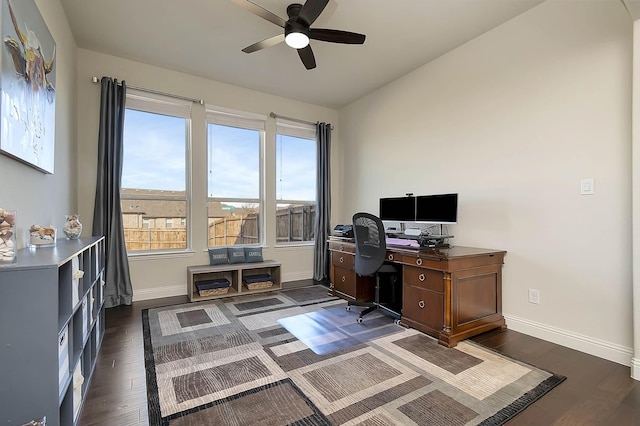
[(201, 102), (155, 92), (274, 115)]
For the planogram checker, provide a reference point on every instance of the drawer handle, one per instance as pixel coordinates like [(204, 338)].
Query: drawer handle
[(344, 278), (341, 248), (390, 257), (421, 277), (418, 262), (341, 259), (421, 304)]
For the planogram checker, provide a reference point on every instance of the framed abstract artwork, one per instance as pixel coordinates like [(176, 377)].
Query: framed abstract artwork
[(27, 86)]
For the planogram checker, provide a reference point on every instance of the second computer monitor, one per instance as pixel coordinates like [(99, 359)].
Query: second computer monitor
[(441, 208)]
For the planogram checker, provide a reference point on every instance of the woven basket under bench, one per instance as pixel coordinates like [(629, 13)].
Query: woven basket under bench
[(258, 281), (213, 287)]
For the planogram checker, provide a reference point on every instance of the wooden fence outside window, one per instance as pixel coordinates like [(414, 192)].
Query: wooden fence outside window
[(293, 224)]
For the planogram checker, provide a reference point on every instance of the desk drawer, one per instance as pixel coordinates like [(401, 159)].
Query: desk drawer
[(468, 262), (423, 262), (344, 281), (393, 257), (423, 307), (342, 260), (342, 246), (424, 278)]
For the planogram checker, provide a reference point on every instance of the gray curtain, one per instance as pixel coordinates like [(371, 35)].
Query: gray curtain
[(323, 208), (107, 213)]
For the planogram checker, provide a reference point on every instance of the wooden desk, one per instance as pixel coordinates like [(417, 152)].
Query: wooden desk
[(450, 294)]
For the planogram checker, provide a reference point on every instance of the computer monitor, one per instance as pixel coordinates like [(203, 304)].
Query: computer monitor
[(399, 209), (442, 208)]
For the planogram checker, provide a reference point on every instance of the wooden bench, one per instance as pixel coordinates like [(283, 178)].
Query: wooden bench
[(234, 272)]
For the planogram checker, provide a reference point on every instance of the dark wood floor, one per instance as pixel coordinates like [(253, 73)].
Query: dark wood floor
[(596, 392)]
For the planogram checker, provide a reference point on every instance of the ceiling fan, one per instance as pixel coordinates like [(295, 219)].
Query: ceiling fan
[(297, 31)]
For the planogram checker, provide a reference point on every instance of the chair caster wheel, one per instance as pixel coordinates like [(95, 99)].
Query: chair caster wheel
[(396, 322), (359, 320), (348, 308)]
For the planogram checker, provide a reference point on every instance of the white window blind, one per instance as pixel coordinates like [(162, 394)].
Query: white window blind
[(158, 104), (295, 128), (232, 118)]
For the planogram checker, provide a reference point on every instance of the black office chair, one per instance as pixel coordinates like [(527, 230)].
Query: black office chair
[(371, 250)]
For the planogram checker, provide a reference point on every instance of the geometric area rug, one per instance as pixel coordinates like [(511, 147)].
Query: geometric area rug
[(229, 361)]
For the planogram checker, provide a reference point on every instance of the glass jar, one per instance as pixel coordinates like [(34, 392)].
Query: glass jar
[(42, 236), (8, 246), (72, 226)]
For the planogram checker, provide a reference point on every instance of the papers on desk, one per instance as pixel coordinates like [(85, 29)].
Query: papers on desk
[(402, 242)]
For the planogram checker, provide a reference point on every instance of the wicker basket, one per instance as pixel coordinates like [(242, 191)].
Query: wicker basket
[(214, 291), (259, 285)]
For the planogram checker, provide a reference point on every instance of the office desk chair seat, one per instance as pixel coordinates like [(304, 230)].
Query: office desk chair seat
[(371, 249)]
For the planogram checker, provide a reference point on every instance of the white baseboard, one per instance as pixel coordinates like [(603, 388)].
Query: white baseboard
[(297, 276), (635, 368), (600, 348), (159, 292), (181, 290)]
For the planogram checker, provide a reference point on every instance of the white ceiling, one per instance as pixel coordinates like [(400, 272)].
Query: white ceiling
[(205, 38)]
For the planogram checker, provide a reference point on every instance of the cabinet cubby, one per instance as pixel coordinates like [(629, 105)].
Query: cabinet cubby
[(234, 272), (52, 311)]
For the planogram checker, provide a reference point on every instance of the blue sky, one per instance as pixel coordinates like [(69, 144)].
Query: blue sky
[(154, 149), (234, 162), (296, 177)]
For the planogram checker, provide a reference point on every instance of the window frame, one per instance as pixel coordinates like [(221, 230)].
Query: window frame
[(153, 103), (302, 130), (249, 121)]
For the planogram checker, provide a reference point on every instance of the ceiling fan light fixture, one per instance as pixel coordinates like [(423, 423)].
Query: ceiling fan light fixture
[(297, 29), (297, 40)]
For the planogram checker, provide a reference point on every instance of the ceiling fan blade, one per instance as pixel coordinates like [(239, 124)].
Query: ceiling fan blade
[(261, 12), (306, 55), (267, 42), (311, 10), (336, 36)]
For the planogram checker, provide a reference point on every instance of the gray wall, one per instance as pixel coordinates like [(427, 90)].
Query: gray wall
[(512, 121), (41, 198)]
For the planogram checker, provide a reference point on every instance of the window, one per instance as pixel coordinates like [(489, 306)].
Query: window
[(235, 190), (154, 172), (295, 181)]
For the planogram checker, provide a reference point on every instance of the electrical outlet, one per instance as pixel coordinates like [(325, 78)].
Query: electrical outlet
[(534, 296)]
